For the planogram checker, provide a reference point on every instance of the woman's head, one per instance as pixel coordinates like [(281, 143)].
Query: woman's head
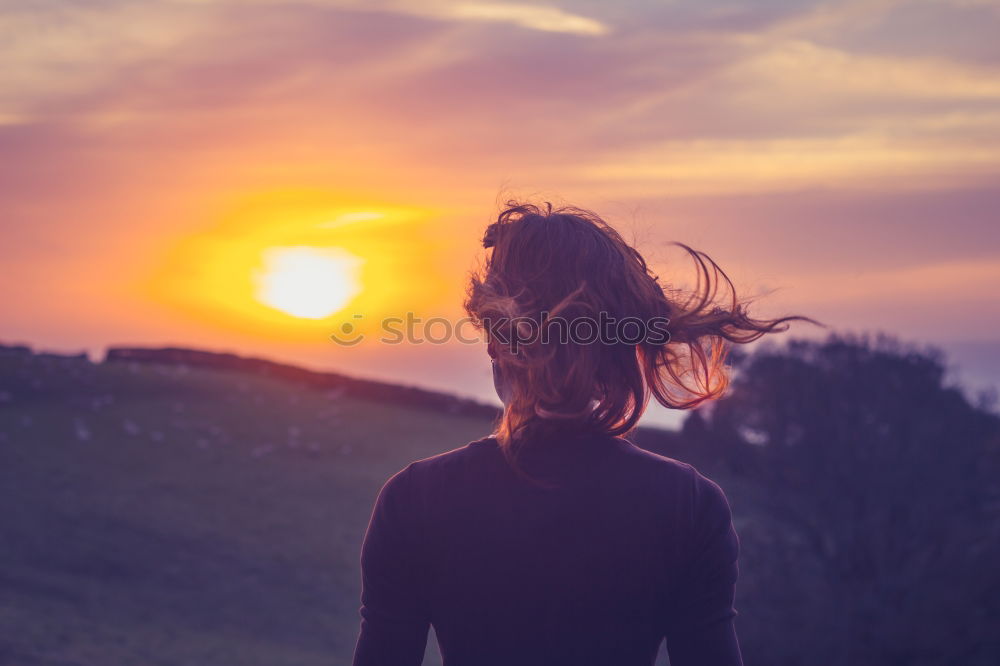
[(582, 332)]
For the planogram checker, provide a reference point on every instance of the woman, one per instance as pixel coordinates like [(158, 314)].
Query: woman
[(555, 540)]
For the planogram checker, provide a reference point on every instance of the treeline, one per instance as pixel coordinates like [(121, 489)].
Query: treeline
[(870, 505)]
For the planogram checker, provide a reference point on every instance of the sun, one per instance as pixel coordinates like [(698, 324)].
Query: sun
[(307, 282)]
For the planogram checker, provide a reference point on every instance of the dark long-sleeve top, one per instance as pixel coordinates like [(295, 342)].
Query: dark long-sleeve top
[(627, 549)]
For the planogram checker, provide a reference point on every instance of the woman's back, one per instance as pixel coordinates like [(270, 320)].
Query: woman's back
[(555, 541), (620, 549)]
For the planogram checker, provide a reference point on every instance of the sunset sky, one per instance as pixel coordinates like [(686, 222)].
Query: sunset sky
[(225, 174)]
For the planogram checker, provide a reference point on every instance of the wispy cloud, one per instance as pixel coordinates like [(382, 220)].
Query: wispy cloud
[(849, 162), (804, 69), (138, 120), (537, 17), (534, 16)]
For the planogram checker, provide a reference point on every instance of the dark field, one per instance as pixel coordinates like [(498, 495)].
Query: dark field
[(163, 515), (172, 514)]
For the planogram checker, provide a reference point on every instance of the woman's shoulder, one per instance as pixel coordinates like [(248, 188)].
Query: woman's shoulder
[(468, 454), (705, 494), (484, 458), (427, 472), (657, 463)]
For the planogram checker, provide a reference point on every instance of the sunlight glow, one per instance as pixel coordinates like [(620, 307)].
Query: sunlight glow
[(351, 218), (308, 282)]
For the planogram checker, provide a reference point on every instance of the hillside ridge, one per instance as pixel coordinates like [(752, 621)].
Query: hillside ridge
[(371, 389)]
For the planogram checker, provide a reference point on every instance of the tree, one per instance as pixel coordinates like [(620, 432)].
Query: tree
[(881, 480)]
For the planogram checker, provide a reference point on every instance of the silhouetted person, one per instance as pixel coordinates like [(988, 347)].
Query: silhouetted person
[(555, 540)]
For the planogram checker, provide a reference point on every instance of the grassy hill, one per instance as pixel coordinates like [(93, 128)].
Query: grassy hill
[(182, 508), (169, 514), (176, 507)]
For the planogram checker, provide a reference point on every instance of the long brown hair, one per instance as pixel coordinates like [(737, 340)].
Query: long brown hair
[(553, 266)]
